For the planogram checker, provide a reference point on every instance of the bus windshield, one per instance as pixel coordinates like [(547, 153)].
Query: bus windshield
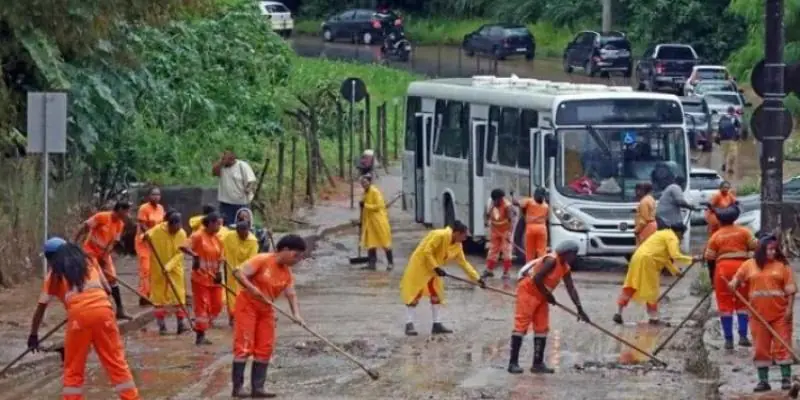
[(605, 164)]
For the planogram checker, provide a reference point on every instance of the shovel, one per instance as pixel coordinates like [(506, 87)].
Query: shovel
[(359, 259)]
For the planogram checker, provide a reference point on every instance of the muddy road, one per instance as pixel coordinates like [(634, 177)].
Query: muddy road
[(361, 312)]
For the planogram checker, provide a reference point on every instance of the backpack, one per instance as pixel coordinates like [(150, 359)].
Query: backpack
[(727, 128)]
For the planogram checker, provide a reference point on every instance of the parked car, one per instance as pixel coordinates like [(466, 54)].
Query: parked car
[(718, 103), (703, 183), (666, 66), (751, 204), (500, 41), (701, 73), (697, 122), (279, 15), (595, 52), (359, 25), (706, 86)]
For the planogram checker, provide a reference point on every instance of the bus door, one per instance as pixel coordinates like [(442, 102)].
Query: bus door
[(422, 162), (476, 166)]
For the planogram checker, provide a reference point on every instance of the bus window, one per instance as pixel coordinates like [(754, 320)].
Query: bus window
[(507, 150), (436, 136), (529, 121), (491, 135), (453, 131), (413, 106)]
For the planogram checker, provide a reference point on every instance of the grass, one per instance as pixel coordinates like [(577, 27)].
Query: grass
[(550, 40)]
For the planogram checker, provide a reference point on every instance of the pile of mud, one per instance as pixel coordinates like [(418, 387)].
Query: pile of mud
[(359, 348)]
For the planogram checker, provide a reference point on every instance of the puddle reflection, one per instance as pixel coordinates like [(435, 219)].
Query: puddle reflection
[(645, 336)]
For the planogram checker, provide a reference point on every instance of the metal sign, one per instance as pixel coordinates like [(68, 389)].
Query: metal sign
[(758, 123), (758, 79), (353, 90), (47, 133)]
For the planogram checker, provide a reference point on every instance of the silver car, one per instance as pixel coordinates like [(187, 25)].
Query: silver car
[(705, 86), (718, 104), (697, 117)]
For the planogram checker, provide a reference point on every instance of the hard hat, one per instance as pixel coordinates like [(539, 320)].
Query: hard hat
[(53, 244)]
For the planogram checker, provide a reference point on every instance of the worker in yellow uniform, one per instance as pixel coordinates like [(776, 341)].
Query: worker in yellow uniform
[(167, 282), (240, 245), (196, 222), (423, 275), (375, 229)]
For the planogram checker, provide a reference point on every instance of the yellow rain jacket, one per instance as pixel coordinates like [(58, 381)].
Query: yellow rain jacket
[(660, 250), (167, 250), (237, 251), (435, 249), (375, 229), (196, 223)]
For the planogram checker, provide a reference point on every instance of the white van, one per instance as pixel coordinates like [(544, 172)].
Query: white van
[(280, 15)]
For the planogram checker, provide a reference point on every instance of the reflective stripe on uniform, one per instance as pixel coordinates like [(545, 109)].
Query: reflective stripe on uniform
[(289, 291), (239, 359), (734, 255), (125, 386), (767, 293), (760, 364), (72, 390), (247, 270), (543, 334)]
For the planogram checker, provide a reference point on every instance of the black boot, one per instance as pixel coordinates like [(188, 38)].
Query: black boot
[(513, 361), (538, 357), (181, 327), (618, 319), (118, 302), (237, 377), (389, 259), (410, 331), (438, 328), (143, 302), (162, 327), (372, 260), (258, 377), (786, 383), (200, 339), (762, 386)]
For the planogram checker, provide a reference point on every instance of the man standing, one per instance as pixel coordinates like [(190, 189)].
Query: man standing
[(423, 275), (236, 185), (668, 209), (728, 131)]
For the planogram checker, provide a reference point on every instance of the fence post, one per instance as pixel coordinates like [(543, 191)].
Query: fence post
[(294, 173), (439, 60), (309, 166), (459, 61), (394, 126), (368, 121), (384, 136), (281, 150), (361, 117), (340, 113)]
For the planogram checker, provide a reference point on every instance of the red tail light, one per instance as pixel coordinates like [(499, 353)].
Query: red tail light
[(398, 22), (659, 68), (376, 24)]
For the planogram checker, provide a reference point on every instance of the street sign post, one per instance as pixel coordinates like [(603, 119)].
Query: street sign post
[(759, 125), (353, 90), (47, 133)]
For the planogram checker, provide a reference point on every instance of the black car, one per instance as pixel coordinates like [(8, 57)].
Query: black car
[(666, 66), (595, 52), (501, 41), (359, 25)]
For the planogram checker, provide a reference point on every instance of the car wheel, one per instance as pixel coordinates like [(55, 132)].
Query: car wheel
[(565, 64), (449, 211), (327, 35), (498, 54), (366, 38), (588, 69), (627, 73)]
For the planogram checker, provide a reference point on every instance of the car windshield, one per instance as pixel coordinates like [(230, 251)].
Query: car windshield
[(719, 99), (692, 108), (703, 181), (274, 7), (675, 53), (518, 31), (615, 43), (605, 164), (720, 74), (704, 87)]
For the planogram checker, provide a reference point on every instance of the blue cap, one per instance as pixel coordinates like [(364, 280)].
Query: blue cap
[(53, 244)]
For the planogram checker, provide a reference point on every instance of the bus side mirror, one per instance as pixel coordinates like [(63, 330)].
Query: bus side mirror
[(550, 146)]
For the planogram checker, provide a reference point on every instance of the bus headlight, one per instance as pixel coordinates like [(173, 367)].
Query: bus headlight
[(569, 221)]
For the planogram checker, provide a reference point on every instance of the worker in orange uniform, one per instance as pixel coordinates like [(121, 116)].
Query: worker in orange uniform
[(150, 214), (264, 276), (206, 250), (536, 212), (722, 199), (83, 290), (728, 248), (772, 291), (499, 217), (537, 280), (104, 231), (645, 221)]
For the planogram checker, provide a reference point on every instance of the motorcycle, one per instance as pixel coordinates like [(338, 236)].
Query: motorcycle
[(397, 47)]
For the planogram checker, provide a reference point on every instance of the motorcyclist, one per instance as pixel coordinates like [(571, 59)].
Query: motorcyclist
[(391, 35)]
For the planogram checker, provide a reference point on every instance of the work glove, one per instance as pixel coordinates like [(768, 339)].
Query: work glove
[(482, 283), (218, 278), (195, 263), (439, 271), (582, 315), (33, 343), (550, 298)]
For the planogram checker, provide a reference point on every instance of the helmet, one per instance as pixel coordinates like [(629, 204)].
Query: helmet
[(727, 215), (53, 244)]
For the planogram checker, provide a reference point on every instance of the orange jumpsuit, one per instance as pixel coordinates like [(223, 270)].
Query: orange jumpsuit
[(148, 216), (535, 228), (645, 223), (770, 289), (532, 307), (729, 246), (104, 231), (207, 295), (254, 321), (499, 236), (90, 323), (718, 200)]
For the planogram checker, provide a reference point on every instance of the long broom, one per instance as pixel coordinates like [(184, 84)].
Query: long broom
[(359, 259)]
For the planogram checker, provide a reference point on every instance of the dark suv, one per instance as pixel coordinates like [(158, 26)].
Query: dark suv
[(359, 25), (595, 52), (501, 41)]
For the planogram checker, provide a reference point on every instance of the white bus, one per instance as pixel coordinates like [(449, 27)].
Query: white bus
[(587, 145)]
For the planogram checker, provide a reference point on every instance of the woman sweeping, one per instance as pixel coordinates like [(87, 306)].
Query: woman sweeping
[(149, 215), (375, 229), (206, 251), (167, 239), (77, 282)]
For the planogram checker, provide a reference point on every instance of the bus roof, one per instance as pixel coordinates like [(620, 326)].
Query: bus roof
[(521, 92)]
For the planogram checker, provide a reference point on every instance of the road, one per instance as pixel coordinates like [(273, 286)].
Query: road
[(361, 312)]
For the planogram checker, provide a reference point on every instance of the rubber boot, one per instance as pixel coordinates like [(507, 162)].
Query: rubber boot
[(181, 326), (200, 339), (763, 380), (727, 330), (389, 259), (487, 274), (618, 319), (513, 360), (410, 331), (237, 378), (372, 260), (439, 329), (258, 377), (162, 326), (744, 321), (118, 302), (538, 357), (786, 377)]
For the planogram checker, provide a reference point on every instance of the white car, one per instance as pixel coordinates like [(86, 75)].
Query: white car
[(279, 15), (705, 72), (703, 183), (751, 204)]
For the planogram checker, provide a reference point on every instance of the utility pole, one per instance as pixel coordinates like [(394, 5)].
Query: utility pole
[(606, 15), (772, 154)]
